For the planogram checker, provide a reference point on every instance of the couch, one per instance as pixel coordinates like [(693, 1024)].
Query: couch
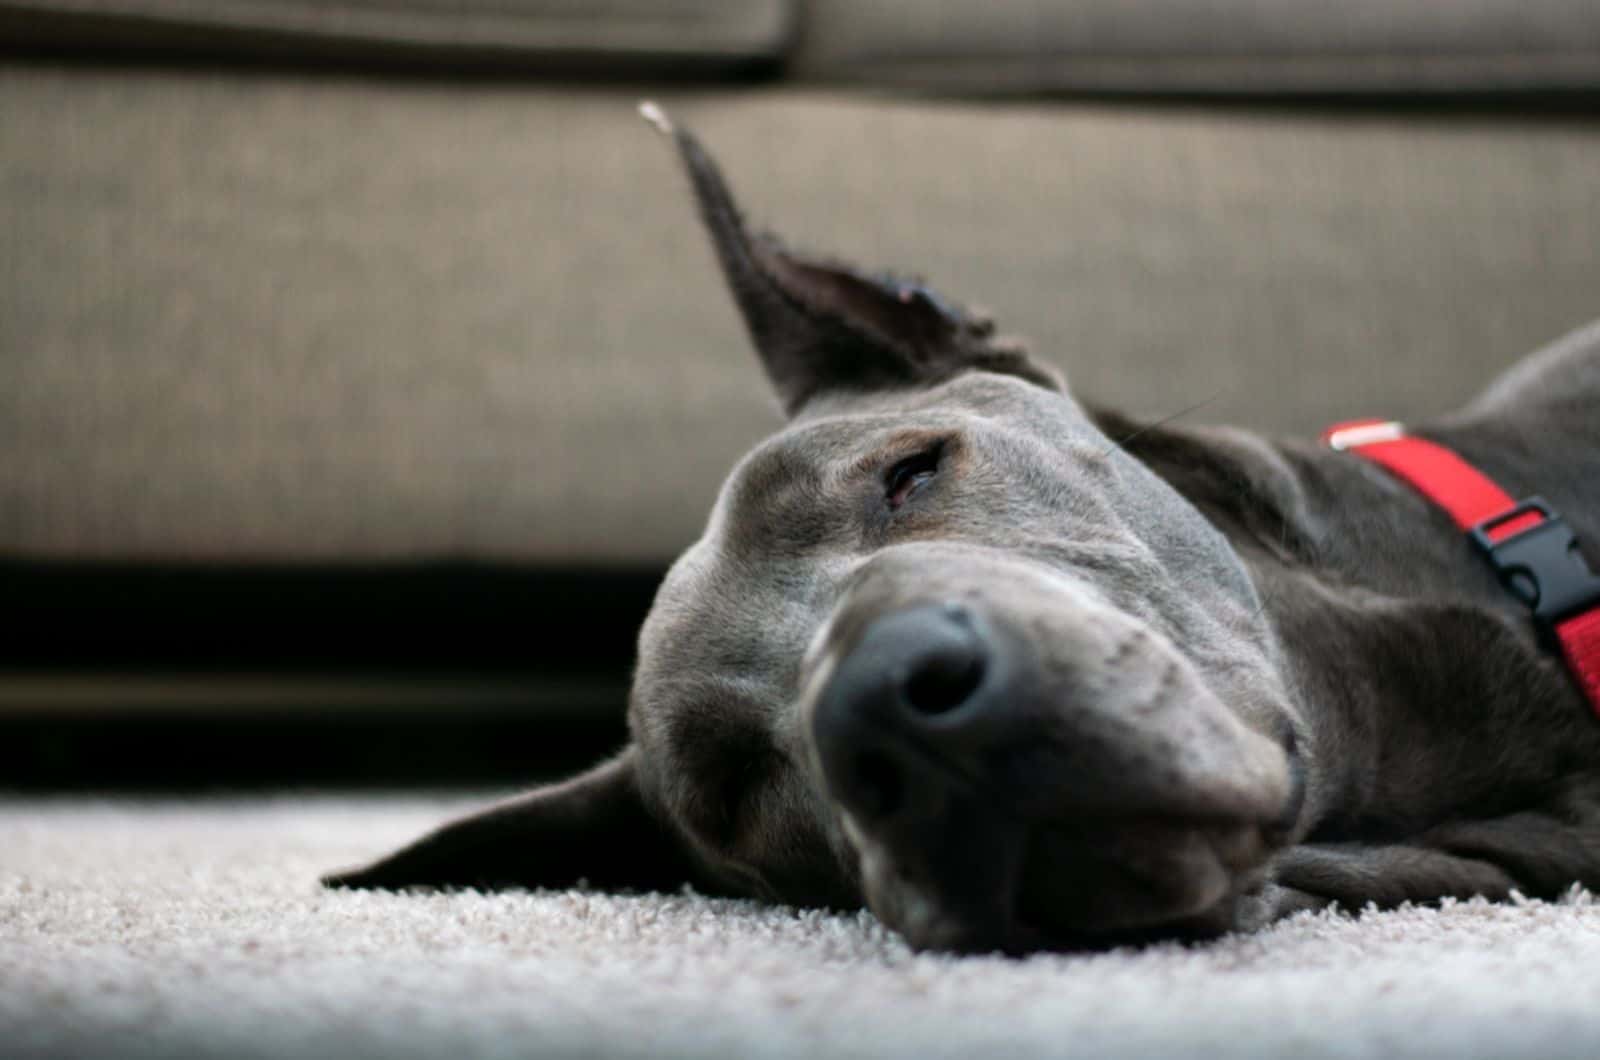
[(362, 365)]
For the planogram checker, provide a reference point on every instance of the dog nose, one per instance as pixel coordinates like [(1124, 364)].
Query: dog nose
[(892, 719)]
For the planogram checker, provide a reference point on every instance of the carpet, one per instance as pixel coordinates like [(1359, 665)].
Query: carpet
[(196, 928)]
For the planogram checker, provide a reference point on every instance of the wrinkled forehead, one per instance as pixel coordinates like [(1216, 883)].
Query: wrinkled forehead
[(975, 393), (841, 427)]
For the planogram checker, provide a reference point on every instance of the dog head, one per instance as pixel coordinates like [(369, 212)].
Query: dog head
[(943, 647)]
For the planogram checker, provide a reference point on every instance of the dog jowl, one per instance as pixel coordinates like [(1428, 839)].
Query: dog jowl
[(948, 649)]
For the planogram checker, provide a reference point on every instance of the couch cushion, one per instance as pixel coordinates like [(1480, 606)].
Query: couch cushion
[(247, 316), (606, 36), (1228, 46)]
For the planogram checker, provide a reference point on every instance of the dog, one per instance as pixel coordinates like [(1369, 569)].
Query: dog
[(1018, 673)]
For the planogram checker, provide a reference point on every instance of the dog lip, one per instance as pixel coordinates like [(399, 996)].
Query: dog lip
[(1113, 880), (947, 915), (1294, 805), (1166, 877), (954, 895), (930, 922)]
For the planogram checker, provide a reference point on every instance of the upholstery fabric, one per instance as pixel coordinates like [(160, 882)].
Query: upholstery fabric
[(1206, 46), (254, 316), (610, 31)]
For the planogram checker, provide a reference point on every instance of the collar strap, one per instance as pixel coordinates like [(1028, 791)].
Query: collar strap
[(1530, 546)]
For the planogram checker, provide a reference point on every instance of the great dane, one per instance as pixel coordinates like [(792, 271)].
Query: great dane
[(1018, 673)]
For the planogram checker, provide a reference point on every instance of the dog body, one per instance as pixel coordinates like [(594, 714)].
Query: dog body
[(1018, 673)]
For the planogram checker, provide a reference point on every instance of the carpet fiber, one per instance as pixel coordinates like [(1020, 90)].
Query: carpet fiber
[(197, 928)]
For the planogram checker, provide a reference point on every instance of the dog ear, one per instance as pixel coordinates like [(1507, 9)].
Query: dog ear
[(822, 326), (593, 827)]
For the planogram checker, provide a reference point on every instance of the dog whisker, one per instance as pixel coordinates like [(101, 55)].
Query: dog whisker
[(1122, 443)]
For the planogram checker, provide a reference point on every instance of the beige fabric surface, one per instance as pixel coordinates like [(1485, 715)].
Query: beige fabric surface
[(196, 929), (251, 316), (1205, 46), (616, 28)]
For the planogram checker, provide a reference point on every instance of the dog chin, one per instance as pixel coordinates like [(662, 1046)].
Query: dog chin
[(1084, 886), (1094, 883)]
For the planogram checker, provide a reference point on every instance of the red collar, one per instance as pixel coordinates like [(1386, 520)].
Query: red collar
[(1531, 547)]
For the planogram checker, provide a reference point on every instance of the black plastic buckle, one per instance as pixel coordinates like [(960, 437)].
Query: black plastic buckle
[(1541, 566)]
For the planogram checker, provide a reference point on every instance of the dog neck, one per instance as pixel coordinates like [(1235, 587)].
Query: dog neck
[(1402, 652)]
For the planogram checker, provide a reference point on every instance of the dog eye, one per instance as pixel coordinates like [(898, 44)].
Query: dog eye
[(909, 475)]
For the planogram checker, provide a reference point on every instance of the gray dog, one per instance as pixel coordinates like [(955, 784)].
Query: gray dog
[(1021, 674)]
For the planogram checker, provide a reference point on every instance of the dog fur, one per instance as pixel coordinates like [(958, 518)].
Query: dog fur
[(1224, 677)]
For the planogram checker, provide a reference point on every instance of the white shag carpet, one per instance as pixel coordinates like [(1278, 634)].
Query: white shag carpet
[(197, 928)]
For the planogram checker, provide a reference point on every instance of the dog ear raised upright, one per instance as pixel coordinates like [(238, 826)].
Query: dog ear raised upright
[(822, 326)]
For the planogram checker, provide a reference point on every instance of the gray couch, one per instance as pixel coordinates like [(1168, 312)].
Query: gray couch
[(303, 288)]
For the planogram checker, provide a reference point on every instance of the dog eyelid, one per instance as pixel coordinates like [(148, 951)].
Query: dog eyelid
[(907, 475)]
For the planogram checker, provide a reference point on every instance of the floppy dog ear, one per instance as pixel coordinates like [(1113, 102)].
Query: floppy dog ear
[(593, 827), (822, 326)]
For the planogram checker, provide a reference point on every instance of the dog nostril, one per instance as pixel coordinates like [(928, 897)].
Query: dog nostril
[(943, 680)]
